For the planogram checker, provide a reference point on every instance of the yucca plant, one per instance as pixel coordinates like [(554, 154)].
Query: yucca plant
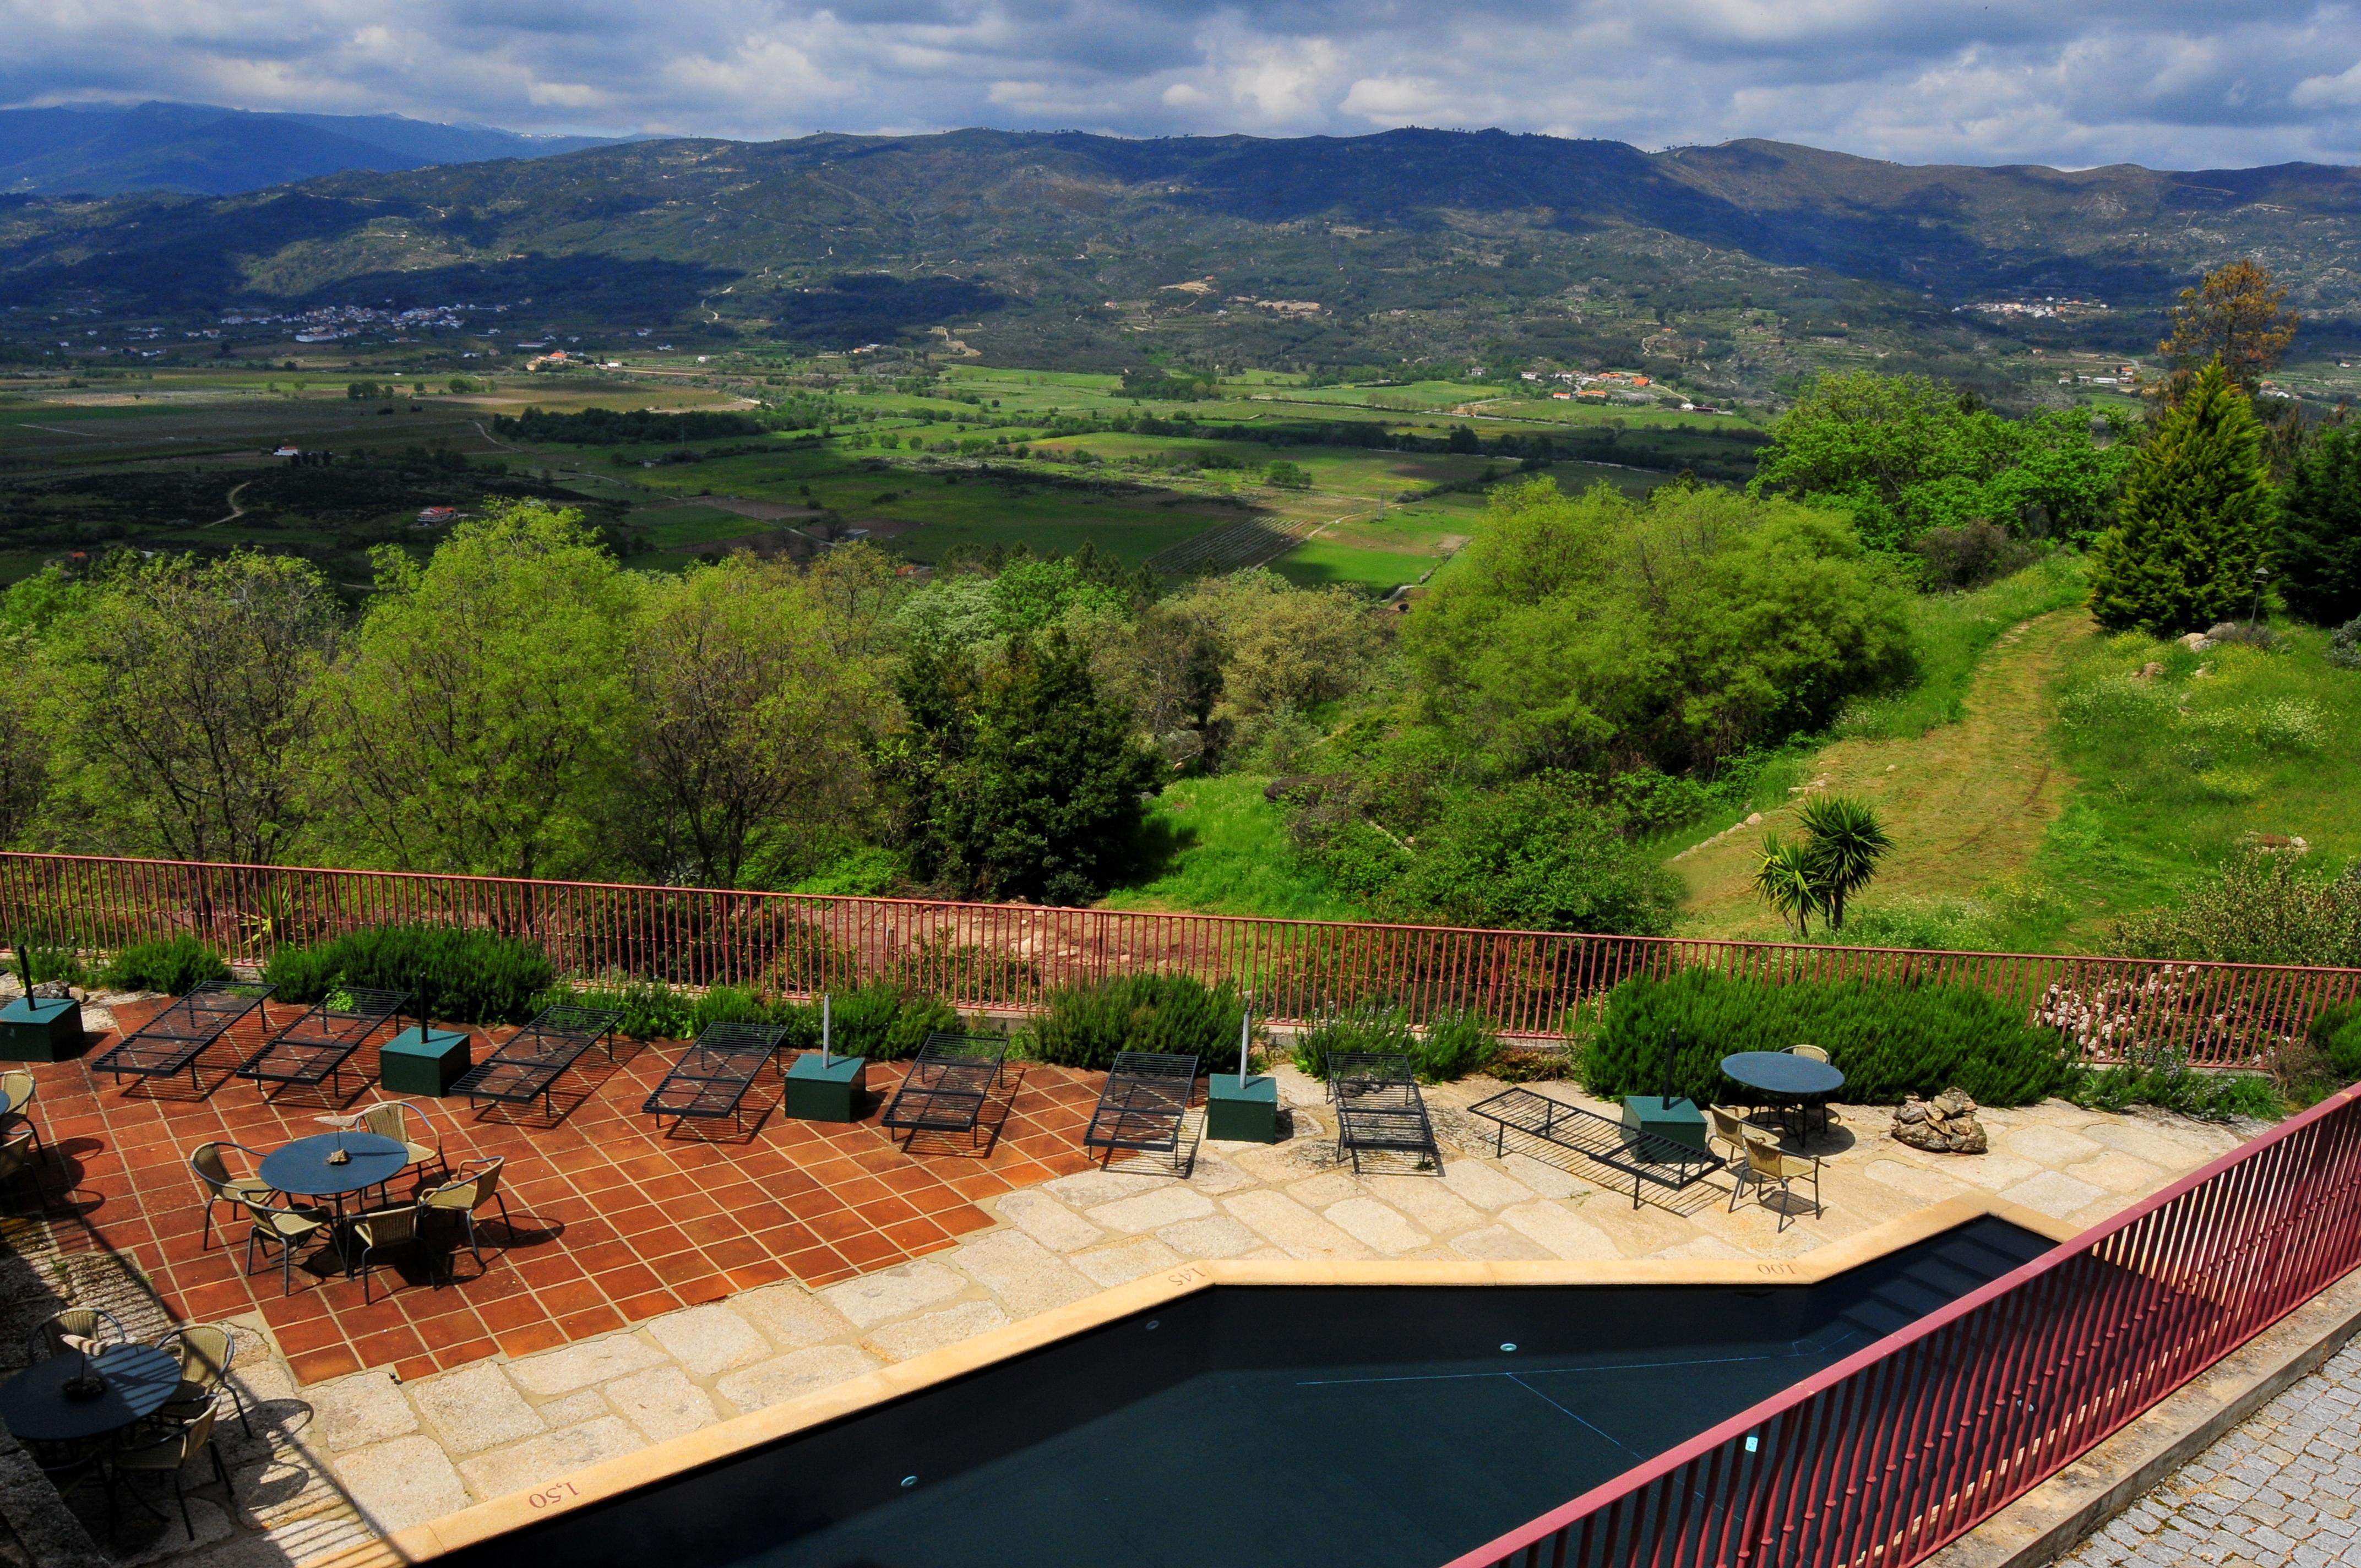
[(1782, 879), (1845, 844)]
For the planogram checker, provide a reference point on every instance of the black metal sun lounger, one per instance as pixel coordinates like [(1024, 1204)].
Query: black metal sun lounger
[(528, 1066), (716, 1071), (169, 1043), (314, 1048), (1144, 1105), (1646, 1158), (948, 1084), (1378, 1107)]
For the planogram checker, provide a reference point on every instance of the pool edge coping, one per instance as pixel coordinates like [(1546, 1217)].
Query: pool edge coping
[(740, 1434)]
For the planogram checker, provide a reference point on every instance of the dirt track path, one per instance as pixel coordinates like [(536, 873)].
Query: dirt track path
[(237, 510), (1966, 804)]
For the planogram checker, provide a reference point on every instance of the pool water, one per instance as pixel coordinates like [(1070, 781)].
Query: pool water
[(1368, 1426)]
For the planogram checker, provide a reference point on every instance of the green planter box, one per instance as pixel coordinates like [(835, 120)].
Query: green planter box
[(1242, 1112), (424, 1061), (829, 1092), (48, 1029), (1677, 1119)]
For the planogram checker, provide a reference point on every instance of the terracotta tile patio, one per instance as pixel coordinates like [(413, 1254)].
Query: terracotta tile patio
[(618, 1219)]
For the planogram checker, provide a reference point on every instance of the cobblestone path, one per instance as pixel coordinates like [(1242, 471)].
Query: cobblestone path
[(2282, 1491)]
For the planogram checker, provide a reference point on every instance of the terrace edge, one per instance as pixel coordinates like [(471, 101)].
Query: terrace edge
[(739, 1435)]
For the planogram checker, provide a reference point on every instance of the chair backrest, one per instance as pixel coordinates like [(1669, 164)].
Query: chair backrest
[(196, 1434), (16, 1088), (206, 1160), (203, 1349), (1809, 1053), (388, 1227), (1768, 1160), (1727, 1126), (15, 1152), (262, 1214), (387, 1118), (471, 1190), (93, 1324)]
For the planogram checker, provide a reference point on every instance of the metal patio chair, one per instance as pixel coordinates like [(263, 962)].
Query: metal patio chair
[(18, 1157), (86, 1328), (168, 1453), (1812, 1053), (17, 1088), (384, 1230), (478, 1184), (1768, 1164), (285, 1229), (204, 1352), (221, 1187)]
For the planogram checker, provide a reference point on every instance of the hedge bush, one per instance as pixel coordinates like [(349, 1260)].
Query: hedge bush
[(1454, 1044), (2336, 1034), (458, 976), (1890, 1038), (880, 1023), (1086, 1025), (174, 965)]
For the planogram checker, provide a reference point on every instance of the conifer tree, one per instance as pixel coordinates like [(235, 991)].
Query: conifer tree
[(2319, 544), (2195, 520)]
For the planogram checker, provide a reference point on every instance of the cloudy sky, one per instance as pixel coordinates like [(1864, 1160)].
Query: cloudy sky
[(2166, 82)]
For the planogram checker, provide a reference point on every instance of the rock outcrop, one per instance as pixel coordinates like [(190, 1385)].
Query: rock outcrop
[(1944, 1124)]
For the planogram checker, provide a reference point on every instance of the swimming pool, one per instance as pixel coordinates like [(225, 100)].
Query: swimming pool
[(1362, 1425)]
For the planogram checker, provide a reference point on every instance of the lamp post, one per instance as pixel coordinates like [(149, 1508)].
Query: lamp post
[(2262, 576)]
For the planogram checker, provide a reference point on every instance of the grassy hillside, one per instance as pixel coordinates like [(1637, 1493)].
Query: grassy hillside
[(2038, 786), (1217, 846), (2181, 765)]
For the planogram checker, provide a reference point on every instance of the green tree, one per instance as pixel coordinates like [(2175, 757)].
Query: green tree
[(178, 700), (750, 738), (2195, 521), (2318, 548), (1024, 779), (1845, 842), (484, 720), (1535, 856), (1905, 454), (1597, 634)]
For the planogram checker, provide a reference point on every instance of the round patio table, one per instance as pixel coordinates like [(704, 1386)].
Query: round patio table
[(302, 1168), (1789, 1079), (139, 1378)]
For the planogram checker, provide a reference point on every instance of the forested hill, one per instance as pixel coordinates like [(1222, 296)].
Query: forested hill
[(1403, 239)]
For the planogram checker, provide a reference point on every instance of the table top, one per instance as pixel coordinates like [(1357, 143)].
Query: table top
[(139, 1381), (1783, 1072), (302, 1168)]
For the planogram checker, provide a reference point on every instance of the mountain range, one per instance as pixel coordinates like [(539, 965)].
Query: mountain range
[(101, 149), (1090, 250)]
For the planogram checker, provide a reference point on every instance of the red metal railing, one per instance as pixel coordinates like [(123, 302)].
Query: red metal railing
[(998, 955), (1890, 1454)]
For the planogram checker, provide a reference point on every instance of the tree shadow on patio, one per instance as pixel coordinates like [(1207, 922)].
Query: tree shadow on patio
[(286, 1504)]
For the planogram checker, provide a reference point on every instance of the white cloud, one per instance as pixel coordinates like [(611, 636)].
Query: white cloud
[(2161, 81)]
